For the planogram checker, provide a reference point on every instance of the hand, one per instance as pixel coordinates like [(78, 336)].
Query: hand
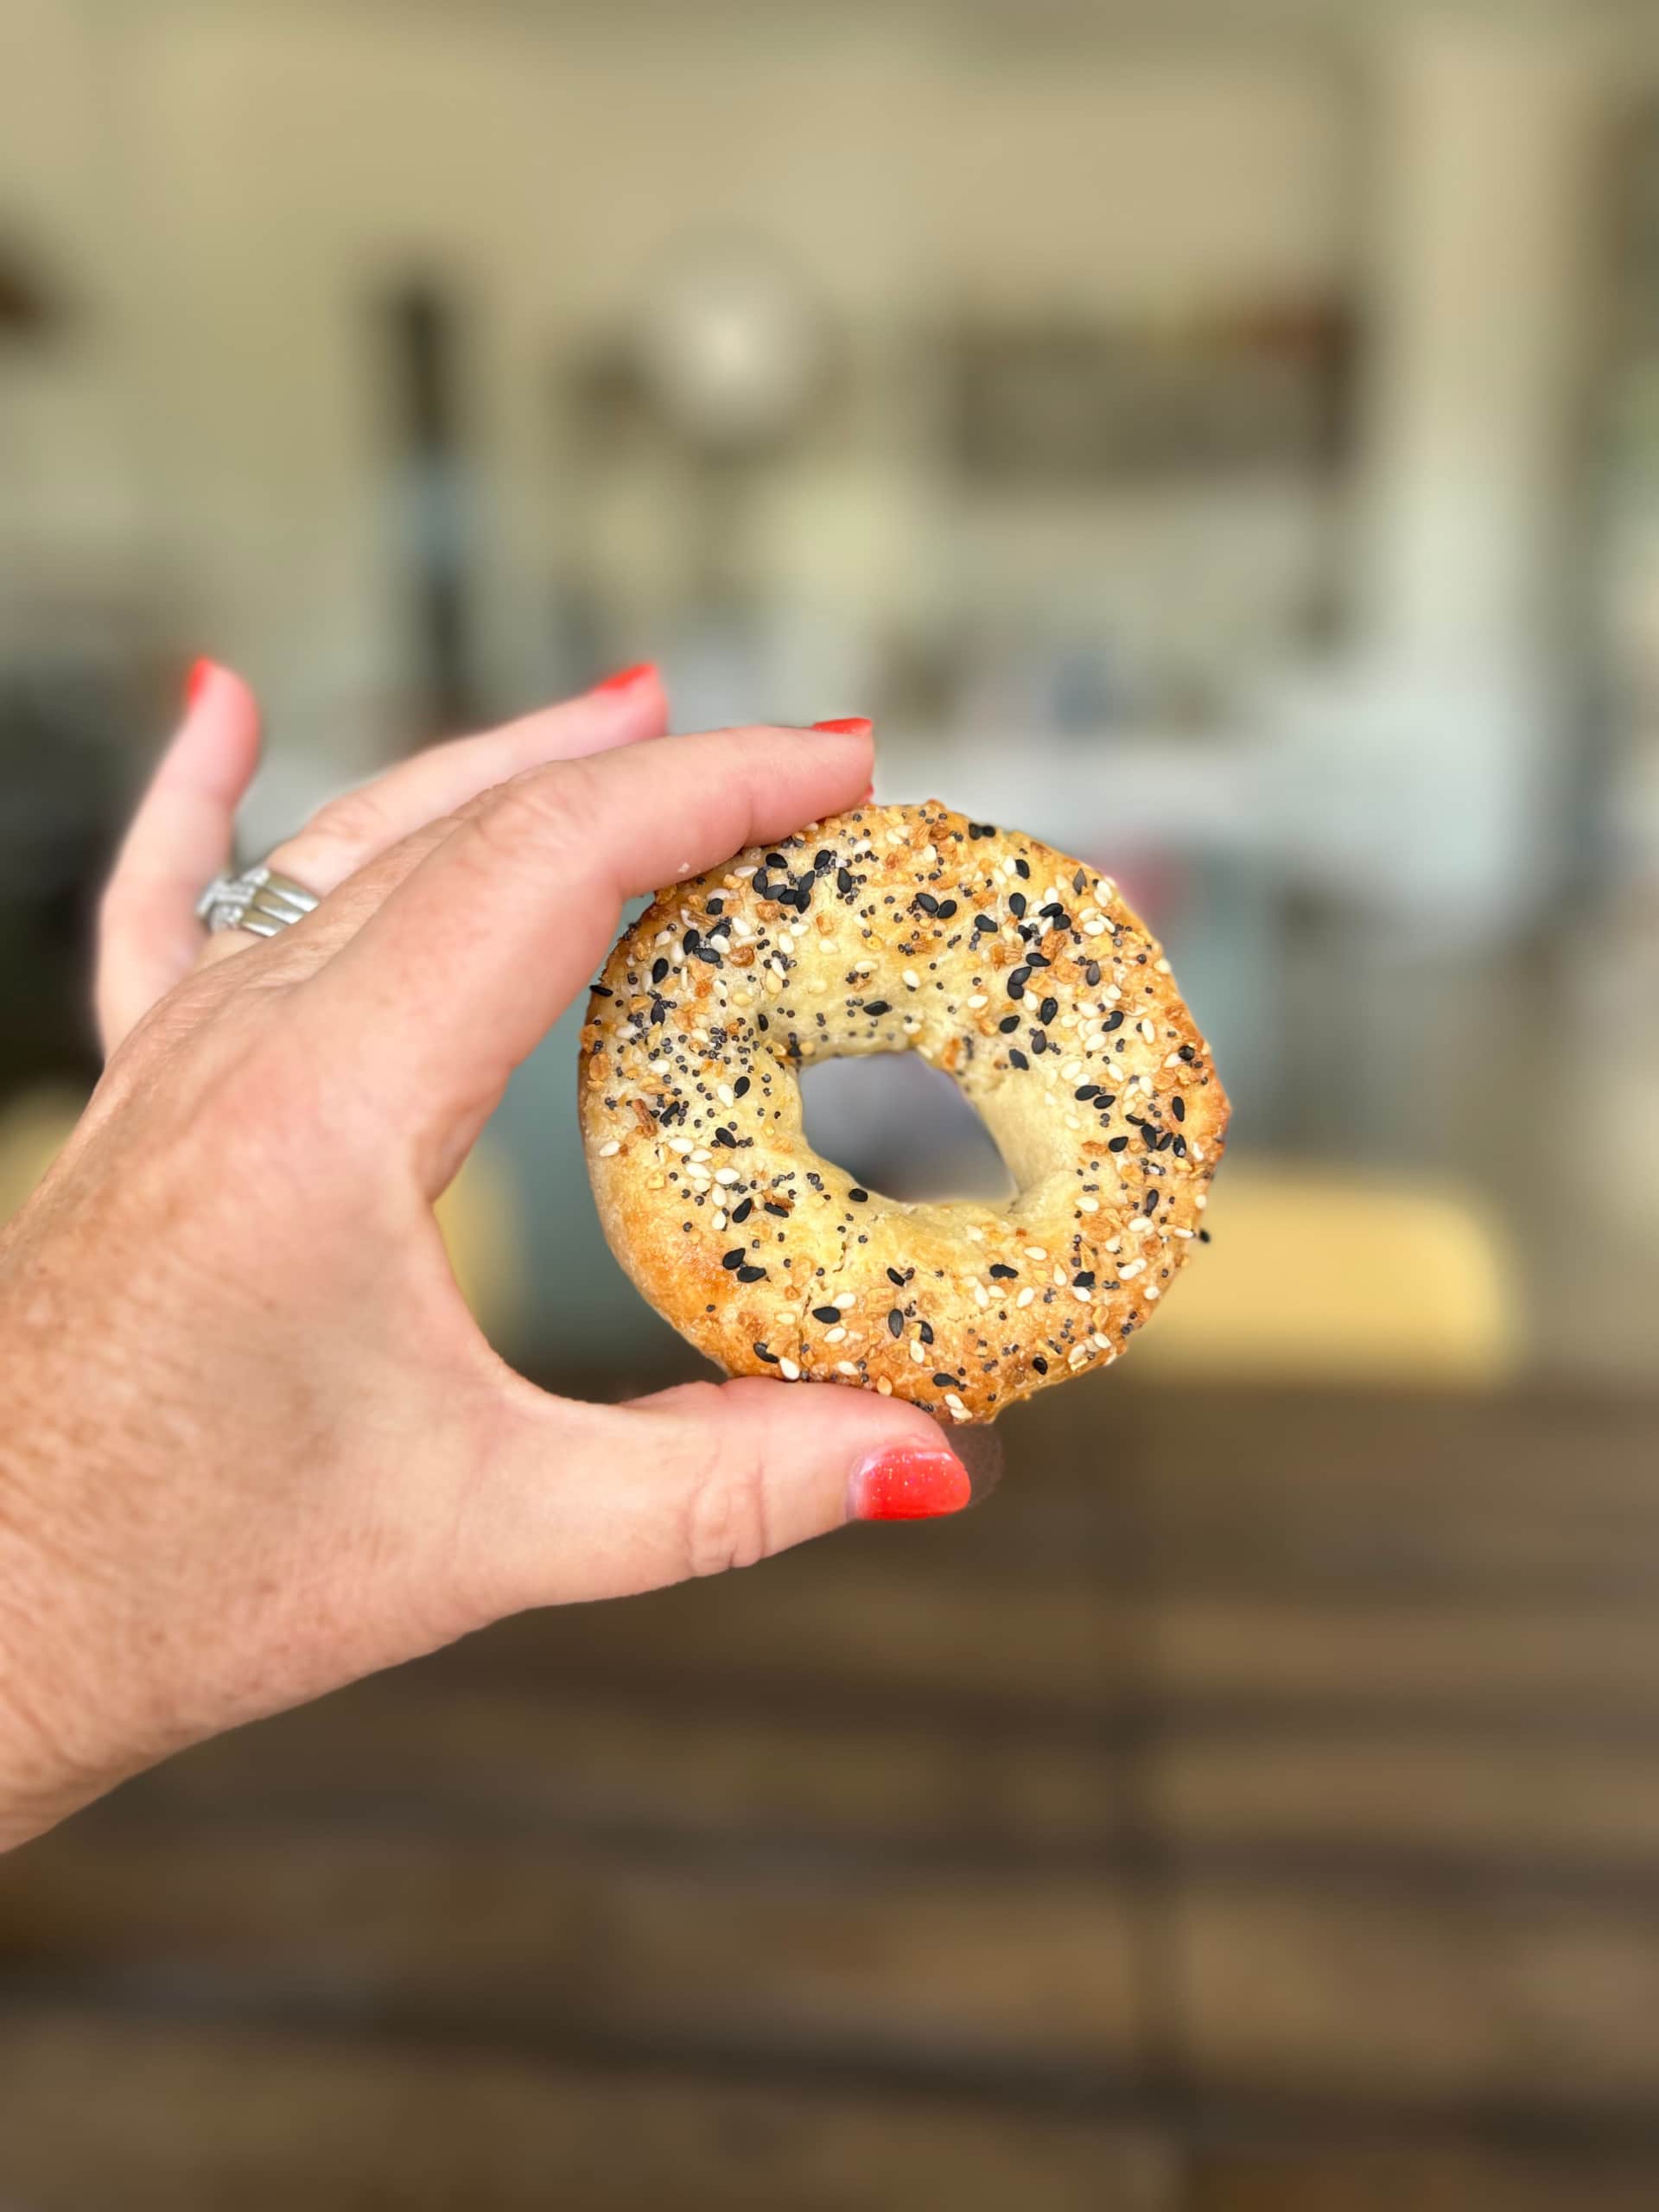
[(255, 1444)]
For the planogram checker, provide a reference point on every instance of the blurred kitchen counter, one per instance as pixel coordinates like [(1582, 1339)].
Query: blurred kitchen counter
[(1254, 1810)]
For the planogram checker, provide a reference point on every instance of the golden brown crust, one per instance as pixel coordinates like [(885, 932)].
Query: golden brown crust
[(1019, 972)]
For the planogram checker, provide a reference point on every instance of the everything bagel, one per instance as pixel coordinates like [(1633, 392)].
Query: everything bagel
[(1022, 975)]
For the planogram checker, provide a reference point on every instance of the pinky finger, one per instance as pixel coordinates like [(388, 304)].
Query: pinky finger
[(149, 936)]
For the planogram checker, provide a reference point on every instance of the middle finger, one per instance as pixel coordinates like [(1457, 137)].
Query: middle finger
[(357, 827)]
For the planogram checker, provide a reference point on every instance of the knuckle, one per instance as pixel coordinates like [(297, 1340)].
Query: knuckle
[(355, 822), (539, 820), (726, 1521)]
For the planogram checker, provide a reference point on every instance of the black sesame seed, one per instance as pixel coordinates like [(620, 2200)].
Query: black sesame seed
[(1087, 1090), (775, 860), (603, 991), (1178, 1106), (947, 907), (1079, 880), (879, 1006), (1003, 1273), (894, 1276), (1091, 974), (1114, 1019), (983, 923), (829, 1315), (927, 902), (741, 1213), (750, 1275), (1048, 1009), (925, 1333), (1039, 1040), (1039, 960), (734, 1259), (1116, 1144), (1017, 904), (823, 858), (771, 1357), (1040, 1365), (708, 952), (844, 881), (1179, 1148), (1084, 1279), (895, 1322), (1010, 1023), (1017, 983), (858, 1197), (1187, 1054), (945, 1381), (1022, 869), (1016, 1057), (725, 1136), (1053, 908), (772, 1207), (1204, 1236), (740, 1086), (658, 969)]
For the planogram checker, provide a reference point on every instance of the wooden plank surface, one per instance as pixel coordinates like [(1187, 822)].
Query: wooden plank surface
[(1385, 2177), (1480, 1993), (431, 1746), (140, 2116), (1546, 1804), (535, 1936)]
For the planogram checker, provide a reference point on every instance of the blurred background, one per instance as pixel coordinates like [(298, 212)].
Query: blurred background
[(1223, 439)]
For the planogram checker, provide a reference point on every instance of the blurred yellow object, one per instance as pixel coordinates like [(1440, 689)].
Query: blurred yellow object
[(1315, 1277), (33, 1130), (476, 1214)]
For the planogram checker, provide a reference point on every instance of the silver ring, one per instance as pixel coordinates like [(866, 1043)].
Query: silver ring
[(259, 899)]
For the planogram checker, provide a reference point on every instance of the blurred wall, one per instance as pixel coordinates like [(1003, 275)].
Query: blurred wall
[(229, 187)]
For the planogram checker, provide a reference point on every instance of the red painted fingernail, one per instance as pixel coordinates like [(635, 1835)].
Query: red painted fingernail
[(626, 679), (849, 727), (202, 675), (905, 1484)]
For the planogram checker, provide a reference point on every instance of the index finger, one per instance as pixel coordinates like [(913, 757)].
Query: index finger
[(473, 957)]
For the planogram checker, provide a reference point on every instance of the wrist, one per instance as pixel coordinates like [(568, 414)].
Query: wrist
[(50, 1761)]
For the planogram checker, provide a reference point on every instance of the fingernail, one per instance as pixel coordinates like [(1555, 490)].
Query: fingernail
[(626, 679), (849, 725), (202, 673), (866, 795), (905, 1484)]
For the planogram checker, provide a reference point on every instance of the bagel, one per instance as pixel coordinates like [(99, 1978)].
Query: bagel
[(1022, 974)]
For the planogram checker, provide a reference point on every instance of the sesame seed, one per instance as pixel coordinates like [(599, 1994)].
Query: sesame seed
[(788, 1369), (609, 1151)]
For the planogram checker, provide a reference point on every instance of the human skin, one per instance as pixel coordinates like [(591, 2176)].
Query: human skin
[(255, 1446)]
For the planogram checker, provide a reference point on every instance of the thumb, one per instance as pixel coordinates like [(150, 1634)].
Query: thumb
[(613, 1500)]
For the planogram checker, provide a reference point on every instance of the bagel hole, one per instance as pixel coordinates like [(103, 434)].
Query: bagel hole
[(902, 1128)]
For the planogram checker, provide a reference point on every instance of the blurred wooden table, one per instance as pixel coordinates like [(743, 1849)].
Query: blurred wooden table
[(1257, 1809)]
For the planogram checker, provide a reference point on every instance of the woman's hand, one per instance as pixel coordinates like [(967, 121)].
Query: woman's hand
[(255, 1446)]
